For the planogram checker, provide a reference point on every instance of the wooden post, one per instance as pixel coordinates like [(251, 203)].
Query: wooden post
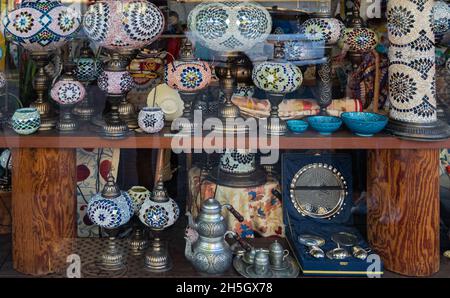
[(403, 209), (43, 207)]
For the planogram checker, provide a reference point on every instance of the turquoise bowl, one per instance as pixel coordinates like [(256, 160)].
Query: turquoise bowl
[(325, 125), (297, 126), (364, 124), (26, 121)]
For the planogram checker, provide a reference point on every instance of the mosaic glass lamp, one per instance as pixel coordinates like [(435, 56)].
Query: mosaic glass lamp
[(323, 27), (158, 213), (110, 209), (116, 82), (277, 78), (188, 76), (41, 27), (87, 70), (124, 27), (229, 26), (67, 92), (441, 18), (357, 38), (412, 86)]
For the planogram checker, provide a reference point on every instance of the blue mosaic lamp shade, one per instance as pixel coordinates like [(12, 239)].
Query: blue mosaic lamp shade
[(229, 26), (87, 69), (41, 25), (111, 208), (412, 89)]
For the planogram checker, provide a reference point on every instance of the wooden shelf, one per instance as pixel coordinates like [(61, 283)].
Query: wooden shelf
[(86, 138)]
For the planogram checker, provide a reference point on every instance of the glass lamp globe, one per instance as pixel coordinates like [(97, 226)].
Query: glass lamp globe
[(191, 76), (441, 17), (41, 25), (115, 82), (87, 68), (328, 29), (158, 212), (277, 79), (123, 25), (229, 26), (111, 208), (5, 159), (359, 40)]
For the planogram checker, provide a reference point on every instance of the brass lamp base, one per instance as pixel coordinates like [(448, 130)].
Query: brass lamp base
[(114, 127), (275, 127), (157, 258), (44, 108), (67, 122), (128, 114), (138, 242), (419, 131), (112, 259), (84, 110)]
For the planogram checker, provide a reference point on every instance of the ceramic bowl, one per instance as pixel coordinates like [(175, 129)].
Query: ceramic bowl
[(297, 126), (363, 123), (325, 125), (26, 121)]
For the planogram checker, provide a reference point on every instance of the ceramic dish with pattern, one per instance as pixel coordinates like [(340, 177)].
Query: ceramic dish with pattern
[(325, 125), (364, 124)]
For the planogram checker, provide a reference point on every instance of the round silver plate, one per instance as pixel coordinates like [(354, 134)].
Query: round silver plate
[(345, 239), (318, 190)]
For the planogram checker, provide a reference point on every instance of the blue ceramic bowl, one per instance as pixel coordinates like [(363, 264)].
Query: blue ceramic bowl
[(297, 126), (325, 125), (364, 124)]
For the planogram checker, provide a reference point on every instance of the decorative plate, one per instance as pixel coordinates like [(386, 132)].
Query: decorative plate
[(41, 25), (277, 77), (229, 26), (115, 82), (67, 92), (188, 76), (110, 213), (168, 100), (123, 24), (328, 29)]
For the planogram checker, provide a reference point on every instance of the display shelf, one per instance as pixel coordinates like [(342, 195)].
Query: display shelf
[(310, 140)]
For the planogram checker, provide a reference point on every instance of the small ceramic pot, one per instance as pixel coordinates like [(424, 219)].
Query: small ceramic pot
[(151, 119), (26, 121), (138, 195)]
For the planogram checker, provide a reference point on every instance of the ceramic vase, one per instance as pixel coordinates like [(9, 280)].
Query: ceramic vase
[(229, 26), (151, 119), (26, 121)]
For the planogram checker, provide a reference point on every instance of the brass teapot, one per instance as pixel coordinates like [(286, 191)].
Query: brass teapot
[(206, 247)]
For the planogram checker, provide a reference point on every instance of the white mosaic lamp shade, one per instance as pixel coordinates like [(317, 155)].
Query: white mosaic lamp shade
[(329, 30), (277, 77), (123, 24), (441, 17), (41, 25), (237, 161), (412, 61), (229, 26)]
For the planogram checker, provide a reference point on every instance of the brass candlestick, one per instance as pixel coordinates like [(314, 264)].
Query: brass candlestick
[(127, 111), (41, 84)]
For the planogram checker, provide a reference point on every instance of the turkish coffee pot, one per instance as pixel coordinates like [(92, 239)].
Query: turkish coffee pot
[(206, 247)]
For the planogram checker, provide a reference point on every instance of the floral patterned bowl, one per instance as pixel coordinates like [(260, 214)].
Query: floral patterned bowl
[(363, 123), (325, 125)]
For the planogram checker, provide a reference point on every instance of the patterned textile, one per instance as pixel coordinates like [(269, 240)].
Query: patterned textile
[(293, 108), (361, 82), (261, 210), (93, 166)]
